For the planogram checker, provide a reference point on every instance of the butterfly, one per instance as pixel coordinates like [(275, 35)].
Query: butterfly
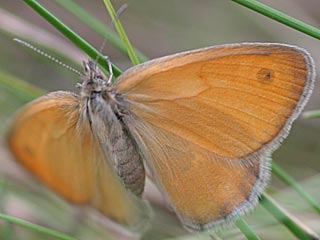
[(202, 123)]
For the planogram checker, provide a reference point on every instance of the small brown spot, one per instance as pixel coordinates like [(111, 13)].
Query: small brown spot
[(265, 75), (28, 151)]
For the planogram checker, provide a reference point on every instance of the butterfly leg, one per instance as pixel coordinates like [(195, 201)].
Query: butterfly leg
[(109, 81)]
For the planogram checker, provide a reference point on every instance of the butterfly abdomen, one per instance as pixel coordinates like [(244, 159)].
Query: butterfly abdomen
[(115, 141)]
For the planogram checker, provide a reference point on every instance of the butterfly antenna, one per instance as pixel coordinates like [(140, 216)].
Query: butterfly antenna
[(26, 44), (119, 12), (100, 49)]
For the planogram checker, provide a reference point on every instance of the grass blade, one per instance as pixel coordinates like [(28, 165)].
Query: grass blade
[(124, 38), (312, 114), (35, 227), (280, 17), (17, 27), (246, 229), (72, 36), (294, 225), (27, 91), (285, 177), (96, 25)]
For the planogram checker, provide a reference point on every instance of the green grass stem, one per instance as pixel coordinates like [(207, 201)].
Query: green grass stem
[(72, 36), (280, 17), (35, 227)]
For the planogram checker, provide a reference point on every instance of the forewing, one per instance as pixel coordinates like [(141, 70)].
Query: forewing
[(50, 141), (221, 111)]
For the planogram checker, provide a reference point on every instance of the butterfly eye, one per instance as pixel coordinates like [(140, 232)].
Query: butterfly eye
[(99, 76)]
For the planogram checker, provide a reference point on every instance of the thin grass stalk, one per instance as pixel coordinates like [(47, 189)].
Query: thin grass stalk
[(101, 28), (311, 114), (285, 177), (280, 17), (246, 229), (124, 38), (300, 230), (35, 227), (72, 36)]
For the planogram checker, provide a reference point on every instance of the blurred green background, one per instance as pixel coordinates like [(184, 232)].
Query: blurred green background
[(159, 28)]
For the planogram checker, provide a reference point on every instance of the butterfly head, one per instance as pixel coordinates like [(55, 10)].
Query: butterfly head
[(93, 80)]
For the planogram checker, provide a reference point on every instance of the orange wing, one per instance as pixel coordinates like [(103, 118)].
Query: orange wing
[(49, 140), (208, 120)]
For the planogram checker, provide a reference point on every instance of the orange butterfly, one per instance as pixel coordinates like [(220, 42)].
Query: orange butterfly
[(203, 122)]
